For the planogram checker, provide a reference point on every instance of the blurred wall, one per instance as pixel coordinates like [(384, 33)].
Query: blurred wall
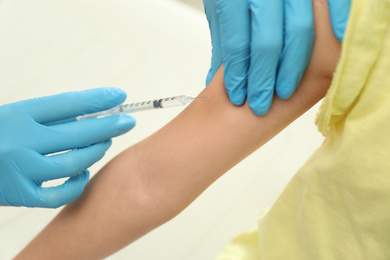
[(48, 47)]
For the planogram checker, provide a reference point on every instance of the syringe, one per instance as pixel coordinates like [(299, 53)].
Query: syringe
[(141, 106)]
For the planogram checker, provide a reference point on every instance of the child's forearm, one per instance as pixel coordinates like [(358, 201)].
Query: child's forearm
[(151, 182), (154, 180)]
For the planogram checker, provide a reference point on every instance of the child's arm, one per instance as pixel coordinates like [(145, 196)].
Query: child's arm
[(154, 180)]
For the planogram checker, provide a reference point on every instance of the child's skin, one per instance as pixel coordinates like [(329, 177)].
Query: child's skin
[(151, 182)]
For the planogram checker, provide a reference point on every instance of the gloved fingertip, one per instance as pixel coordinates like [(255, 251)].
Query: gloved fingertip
[(236, 89), (116, 95), (261, 105), (208, 80), (260, 111), (107, 144), (285, 95), (237, 98), (75, 185), (86, 176), (340, 36), (126, 123), (210, 76), (237, 102), (284, 92), (285, 88), (119, 92)]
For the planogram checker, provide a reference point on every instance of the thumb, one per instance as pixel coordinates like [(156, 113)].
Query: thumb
[(210, 9)]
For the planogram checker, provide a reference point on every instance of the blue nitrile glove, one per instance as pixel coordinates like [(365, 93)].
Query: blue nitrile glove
[(339, 13), (264, 45), (28, 134), (260, 43)]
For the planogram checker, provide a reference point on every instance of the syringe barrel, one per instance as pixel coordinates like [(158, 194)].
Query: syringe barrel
[(110, 112), (136, 107), (156, 104), (174, 101), (142, 106)]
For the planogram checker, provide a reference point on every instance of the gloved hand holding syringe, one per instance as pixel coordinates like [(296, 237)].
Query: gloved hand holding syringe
[(40, 141), (141, 106)]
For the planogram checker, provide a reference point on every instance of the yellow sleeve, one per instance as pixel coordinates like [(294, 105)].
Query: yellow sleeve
[(336, 206)]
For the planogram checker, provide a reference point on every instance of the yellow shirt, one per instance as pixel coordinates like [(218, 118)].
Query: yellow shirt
[(338, 204)]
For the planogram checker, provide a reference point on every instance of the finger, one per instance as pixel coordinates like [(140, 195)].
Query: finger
[(216, 55), (81, 134), (298, 46), (339, 13), (234, 22), (71, 104), (267, 42), (67, 164), (54, 197)]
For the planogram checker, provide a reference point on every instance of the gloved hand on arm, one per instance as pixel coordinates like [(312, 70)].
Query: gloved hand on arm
[(32, 130), (339, 14), (265, 45)]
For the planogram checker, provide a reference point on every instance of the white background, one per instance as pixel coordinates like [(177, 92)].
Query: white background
[(151, 49)]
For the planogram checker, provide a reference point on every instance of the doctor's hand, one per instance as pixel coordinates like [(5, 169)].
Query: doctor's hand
[(264, 45), (32, 135), (339, 14)]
